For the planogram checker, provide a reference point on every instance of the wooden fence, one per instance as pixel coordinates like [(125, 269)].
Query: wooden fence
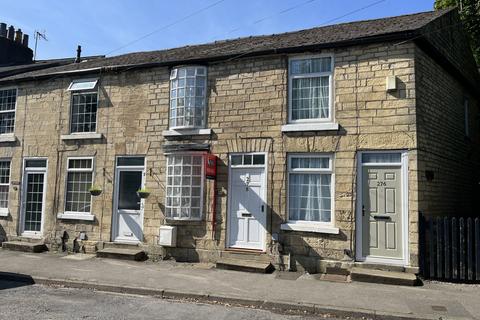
[(450, 248)]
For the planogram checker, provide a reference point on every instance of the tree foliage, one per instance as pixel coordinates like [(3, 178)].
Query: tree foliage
[(470, 15)]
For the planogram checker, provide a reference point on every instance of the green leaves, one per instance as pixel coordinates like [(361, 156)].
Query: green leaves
[(470, 14)]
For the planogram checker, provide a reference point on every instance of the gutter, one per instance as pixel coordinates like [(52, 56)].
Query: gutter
[(403, 35)]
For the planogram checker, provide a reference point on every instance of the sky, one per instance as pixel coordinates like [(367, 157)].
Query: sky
[(113, 27)]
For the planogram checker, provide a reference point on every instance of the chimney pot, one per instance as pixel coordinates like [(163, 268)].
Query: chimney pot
[(25, 40), (11, 33), (79, 54), (3, 30), (18, 36)]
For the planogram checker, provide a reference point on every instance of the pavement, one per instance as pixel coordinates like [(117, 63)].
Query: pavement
[(279, 292)]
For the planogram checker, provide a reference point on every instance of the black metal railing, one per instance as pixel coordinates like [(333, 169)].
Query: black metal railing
[(450, 248)]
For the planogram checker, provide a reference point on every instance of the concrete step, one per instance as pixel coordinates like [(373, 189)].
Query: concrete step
[(120, 245), (246, 255), (134, 254), (375, 266), (384, 277), (24, 246), (25, 239), (245, 265)]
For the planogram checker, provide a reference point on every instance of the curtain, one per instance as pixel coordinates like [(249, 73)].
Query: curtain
[(310, 97), (310, 197)]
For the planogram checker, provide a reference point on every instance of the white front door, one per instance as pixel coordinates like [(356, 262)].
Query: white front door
[(247, 214), (128, 208), (381, 208), (33, 197)]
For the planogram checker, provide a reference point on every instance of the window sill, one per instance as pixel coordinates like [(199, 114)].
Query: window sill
[(81, 136), (310, 127), (305, 227), (4, 212), (9, 137), (76, 216), (186, 132)]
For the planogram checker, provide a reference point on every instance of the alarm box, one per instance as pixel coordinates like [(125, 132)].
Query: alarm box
[(210, 166)]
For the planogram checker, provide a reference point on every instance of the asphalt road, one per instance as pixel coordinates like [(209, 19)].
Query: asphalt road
[(21, 301)]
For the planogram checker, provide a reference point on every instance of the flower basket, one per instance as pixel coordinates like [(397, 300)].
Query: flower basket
[(95, 191), (143, 193)]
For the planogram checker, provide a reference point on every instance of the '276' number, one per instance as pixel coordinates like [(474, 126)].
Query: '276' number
[(381, 183)]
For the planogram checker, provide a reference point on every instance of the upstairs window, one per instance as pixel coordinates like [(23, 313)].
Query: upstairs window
[(184, 186), (83, 106), (310, 86), (79, 180), (188, 88), (8, 101)]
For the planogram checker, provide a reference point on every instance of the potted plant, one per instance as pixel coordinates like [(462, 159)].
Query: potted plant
[(143, 193), (95, 190)]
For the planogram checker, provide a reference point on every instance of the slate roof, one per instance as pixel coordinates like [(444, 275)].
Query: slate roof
[(16, 69), (328, 36)]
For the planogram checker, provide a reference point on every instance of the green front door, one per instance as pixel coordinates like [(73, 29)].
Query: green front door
[(382, 212)]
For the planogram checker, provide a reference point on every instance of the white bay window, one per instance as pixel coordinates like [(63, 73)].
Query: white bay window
[(184, 200), (188, 86)]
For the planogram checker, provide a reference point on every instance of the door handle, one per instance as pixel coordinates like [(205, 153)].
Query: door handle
[(263, 208), (363, 211)]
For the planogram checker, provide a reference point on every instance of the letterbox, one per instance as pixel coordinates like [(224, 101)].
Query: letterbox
[(211, 166)]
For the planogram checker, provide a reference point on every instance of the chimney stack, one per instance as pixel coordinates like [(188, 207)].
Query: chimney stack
[(11, 33), (79, 54), (14, 46), (3, 30)]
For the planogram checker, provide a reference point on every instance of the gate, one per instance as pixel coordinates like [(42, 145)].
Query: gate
[(450, 248)]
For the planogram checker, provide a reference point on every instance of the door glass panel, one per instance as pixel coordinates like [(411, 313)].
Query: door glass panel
[(34, 202), (130, 161), (129, 183), (35, 163), (381, 157)]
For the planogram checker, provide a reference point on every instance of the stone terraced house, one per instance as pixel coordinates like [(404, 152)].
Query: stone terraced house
[(328, 142)]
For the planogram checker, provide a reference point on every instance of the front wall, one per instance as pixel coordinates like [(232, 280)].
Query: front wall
[(247, 107)]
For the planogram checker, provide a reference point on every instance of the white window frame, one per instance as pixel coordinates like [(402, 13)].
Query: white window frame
[(91, 90), (4, 211), (304, 225), (14, 111), (310, 75), (74, 214), (202, 185), (174, 75), (92, 87), (243, 154)]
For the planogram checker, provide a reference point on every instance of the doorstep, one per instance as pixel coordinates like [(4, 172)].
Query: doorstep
[(24, 246), (384, 277), (134, 253), (245, 265)]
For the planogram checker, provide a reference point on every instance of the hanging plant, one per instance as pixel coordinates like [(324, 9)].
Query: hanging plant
[(143, 193), (95, 190)]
